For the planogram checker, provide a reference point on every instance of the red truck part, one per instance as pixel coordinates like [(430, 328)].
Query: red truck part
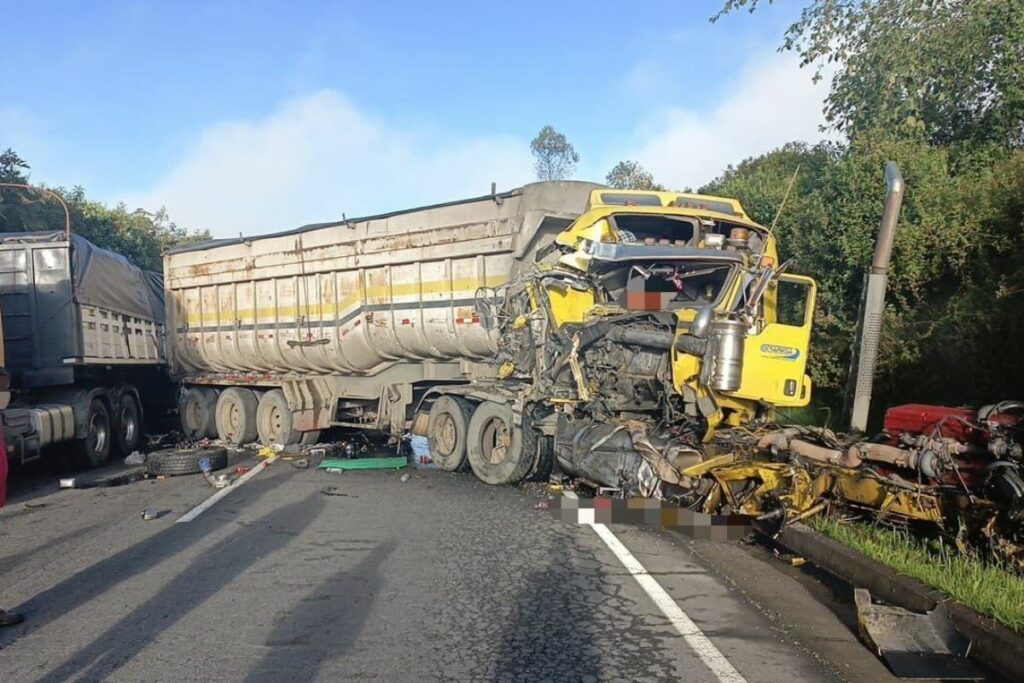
[(920, 418)]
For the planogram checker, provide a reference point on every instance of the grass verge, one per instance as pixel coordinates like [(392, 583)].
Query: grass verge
[(983, 587)]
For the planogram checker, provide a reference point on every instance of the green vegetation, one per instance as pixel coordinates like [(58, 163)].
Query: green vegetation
[(951, 113), (631, 175), (138, 235), (983, 587)]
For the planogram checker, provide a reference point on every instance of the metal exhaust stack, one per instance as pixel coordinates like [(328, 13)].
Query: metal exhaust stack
[(873, 308)]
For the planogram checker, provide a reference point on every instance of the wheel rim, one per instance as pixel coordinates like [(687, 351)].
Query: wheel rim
[(446, 435), (273, 423), (496, 441), (234, 418), (97, 433), (194, 416), (129, 426)]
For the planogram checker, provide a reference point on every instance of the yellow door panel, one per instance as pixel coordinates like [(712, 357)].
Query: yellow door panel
[(775, 360)]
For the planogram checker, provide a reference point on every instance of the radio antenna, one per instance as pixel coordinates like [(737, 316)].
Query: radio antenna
[(782, 204)]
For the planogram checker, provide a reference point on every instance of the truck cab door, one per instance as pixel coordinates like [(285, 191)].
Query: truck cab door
[(775, 359)]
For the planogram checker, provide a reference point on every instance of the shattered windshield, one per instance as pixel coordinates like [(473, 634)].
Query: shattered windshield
[(666, 286)]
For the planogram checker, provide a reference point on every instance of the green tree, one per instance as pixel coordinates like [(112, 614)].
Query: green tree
[(139, 235), (554, 157), (948, 69), (630, 175), (13, 169)]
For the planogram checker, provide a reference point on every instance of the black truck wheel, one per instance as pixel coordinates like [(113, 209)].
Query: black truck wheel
[(94, 449), (128, 427), (544, 460), (173, 461), (447, 428), (198, 410), (499, 451), (236, 416)]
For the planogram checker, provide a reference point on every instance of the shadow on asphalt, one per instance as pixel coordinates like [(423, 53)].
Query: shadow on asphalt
[(552, 634), (216, 567), (12, 561), (106, 574), (325, 624)]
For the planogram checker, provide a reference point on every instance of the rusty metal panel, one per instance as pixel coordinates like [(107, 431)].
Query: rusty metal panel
[(355, 298)]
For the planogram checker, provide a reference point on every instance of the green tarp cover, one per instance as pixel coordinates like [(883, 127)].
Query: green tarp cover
[(363, 464)]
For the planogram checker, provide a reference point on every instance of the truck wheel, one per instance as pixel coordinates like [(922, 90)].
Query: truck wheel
[(236, 416), (197, 411), (128, 425), (274, 420), (94, 449), (499, 452), (447, 426), (544, 461), (174, 461)]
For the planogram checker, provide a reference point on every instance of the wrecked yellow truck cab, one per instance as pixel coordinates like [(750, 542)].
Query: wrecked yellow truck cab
[(611, 331), (651, 320)]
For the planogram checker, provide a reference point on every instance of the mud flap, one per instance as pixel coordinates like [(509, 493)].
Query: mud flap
[(913, 645)]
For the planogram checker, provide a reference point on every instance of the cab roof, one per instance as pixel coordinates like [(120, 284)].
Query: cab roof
[(728, 209)]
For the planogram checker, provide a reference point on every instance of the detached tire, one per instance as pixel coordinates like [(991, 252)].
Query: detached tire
[(236, 416), (94, 449), (499, 452), (447, 431), (128, 425), (544, 460), (197, 410), (172, 462)]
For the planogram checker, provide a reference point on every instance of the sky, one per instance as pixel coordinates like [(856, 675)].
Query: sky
[(248, 117)]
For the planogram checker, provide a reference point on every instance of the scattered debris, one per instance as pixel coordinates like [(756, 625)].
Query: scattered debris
[(150, 513), (333, 491), (301, 464), (136, 458), (406, 477), (915, 645), (86, 481)]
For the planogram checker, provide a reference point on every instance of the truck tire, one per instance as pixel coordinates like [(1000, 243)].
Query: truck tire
[(499, 452), (447, 428), (236, 416), (274, 420), (544, 461), (171, 462), (197, 411), (94, 449), (128, 428)]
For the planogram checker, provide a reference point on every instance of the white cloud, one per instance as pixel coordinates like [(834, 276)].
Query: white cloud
[(318, 156), (770, 103)]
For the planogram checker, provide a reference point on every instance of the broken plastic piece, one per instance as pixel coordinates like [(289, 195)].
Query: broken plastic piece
[(915, 645)]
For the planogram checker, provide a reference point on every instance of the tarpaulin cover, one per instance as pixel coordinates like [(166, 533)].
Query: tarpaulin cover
[(105, 279), (109, 280)]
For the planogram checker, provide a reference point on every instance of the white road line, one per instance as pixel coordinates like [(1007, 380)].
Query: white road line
[(212, 500), (691, 633)]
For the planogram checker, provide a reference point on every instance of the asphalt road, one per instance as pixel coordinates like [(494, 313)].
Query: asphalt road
[(436, 578)]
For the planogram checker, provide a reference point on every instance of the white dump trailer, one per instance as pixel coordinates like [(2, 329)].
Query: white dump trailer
[(347, 323)]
